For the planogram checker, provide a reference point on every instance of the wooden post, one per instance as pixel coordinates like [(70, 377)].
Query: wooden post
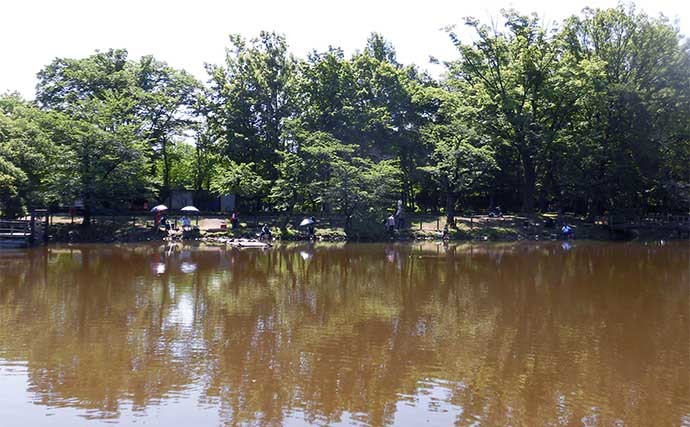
[(32, 225), (47, 226)]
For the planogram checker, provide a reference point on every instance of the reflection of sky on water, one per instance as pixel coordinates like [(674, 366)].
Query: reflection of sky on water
[(19, 407), (430, 406), (182, 313)]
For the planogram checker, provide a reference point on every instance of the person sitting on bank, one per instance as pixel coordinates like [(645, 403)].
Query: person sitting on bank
[(186, 224), (567, 231), (165, 223), (446, 233), (265, 233), (496, 212)]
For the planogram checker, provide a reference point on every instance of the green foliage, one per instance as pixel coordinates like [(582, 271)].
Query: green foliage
[(360, 188), (635, 133), (25, 144), (462, 161), (238, 178), (509, 77), (599, 103), (525, 118), (116, 124), (12, 179), (166, 110), (182, 163), (105, 163), (290, 189), (250, 98), (367, 102)]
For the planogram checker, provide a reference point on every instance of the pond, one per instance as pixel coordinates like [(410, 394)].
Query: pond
[(474, 334)]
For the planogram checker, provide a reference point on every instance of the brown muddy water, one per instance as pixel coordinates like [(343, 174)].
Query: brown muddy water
[(527, 334)]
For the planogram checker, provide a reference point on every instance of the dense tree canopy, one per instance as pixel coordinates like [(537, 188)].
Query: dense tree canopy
[(591, 115)]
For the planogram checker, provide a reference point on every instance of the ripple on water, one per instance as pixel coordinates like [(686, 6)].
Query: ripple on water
[(480, 335), (12, 367)]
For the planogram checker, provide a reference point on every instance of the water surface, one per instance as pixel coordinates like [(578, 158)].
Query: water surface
[(528, 334)]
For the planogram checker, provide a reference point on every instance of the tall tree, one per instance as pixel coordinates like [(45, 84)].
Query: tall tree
[(508, 76), (250, 98), (367, 102), (166, 101), (637, 124), (95, 123), (29, 155), (462, 162)]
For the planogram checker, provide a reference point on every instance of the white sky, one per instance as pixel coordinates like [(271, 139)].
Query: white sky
[(186, 34)]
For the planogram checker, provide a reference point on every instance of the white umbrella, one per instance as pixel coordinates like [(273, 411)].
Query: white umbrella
[(306, 221), (190, 209), (188, 267), (159, 208)]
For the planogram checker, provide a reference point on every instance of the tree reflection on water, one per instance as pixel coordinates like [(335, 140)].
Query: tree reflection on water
[(528, 334)]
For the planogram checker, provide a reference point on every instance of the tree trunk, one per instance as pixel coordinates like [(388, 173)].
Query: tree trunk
[(348, 224), (87, 215), (165, 191), (88, 200), (529, 180), (450, 209), (286, 220)]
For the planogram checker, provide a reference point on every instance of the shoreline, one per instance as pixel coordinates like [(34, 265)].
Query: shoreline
[(112, 233)]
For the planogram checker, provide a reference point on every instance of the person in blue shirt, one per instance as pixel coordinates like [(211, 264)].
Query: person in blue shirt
[(567, 231)]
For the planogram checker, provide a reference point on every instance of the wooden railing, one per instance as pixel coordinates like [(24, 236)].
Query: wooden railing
[(615, 221), (15, 229)]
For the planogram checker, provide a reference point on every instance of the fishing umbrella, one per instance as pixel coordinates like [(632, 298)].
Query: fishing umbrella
[(192, 209), (159, 208), (306, 221)]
